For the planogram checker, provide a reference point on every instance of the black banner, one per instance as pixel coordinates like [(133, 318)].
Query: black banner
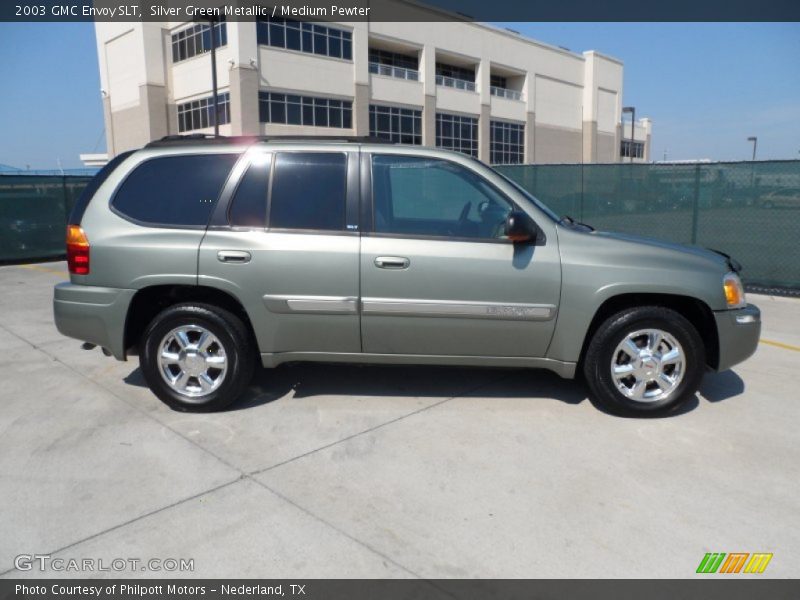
[(400, 10), (710, 588)]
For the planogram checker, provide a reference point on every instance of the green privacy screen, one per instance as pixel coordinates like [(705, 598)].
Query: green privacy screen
[(749, 210), (33, 214)]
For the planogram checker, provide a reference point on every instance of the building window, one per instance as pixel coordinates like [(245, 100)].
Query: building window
[(630, 149), (455, 77), (311, 111), (196, 39), (305, 37), (395, 59), (199, 114), (458, 133), (507, 143), (498, 81), (399, 125)]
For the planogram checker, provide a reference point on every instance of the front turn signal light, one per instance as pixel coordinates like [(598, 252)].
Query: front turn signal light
[(77, 250), (734, 291)]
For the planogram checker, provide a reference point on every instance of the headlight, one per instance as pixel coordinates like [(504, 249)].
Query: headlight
[(734, 291)]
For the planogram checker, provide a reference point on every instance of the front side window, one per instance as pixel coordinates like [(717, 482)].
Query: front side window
[(174, 190), (432, 197), (308, 191)]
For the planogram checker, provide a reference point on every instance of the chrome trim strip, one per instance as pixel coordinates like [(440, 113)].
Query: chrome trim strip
[(743, 319), (507, 311), (338, 305)]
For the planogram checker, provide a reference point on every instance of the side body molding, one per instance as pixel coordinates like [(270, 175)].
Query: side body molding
[(286, 304), (334, 305)]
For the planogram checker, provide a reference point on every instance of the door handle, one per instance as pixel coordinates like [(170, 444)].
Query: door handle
[(392, 262), (233, 256)]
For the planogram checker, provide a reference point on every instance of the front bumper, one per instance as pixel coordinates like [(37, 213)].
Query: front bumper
[(93, 314), (739, 331)]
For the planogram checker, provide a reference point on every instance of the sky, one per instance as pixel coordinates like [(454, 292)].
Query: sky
[(706, 86)]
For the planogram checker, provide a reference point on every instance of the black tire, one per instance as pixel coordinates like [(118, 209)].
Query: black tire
[(601, 351), (232, 334)]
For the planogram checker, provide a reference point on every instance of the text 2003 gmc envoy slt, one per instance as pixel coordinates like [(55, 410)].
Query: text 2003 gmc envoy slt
[(205, 255)]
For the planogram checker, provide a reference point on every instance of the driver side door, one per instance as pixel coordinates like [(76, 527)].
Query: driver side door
[(438, 276)]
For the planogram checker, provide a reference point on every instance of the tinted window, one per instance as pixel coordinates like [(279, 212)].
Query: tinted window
[(249, 204), (90, 190), (308, 191), (174, 190), (420, 196)]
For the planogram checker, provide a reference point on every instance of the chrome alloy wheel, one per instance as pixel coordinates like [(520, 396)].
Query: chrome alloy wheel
[(648, 365), (192, 361)]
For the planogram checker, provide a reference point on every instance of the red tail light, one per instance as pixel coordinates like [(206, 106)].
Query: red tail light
[(77, 251)]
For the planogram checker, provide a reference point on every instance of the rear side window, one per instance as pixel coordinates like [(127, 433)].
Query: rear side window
[(174, 190), (308, 191), (249, 204), (90, 190)]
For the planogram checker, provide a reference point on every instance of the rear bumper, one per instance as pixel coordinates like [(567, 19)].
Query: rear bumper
[(739, 331), (93, 314)]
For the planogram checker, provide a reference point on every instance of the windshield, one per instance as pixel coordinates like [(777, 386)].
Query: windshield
[(539, 204)]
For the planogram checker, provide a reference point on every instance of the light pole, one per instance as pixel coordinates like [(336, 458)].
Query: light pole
[(212, 22), (632, 110), (753, 139)]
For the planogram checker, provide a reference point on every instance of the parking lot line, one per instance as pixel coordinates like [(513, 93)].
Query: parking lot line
[(43, 269), (781, 345)]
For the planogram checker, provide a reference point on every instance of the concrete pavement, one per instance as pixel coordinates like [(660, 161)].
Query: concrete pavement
[(348, 471)]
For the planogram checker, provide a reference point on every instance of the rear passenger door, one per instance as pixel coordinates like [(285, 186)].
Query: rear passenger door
[(284, 241)]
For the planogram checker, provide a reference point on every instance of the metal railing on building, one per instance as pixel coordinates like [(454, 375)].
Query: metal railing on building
[(505, 93), (392, 71), (452, 82)]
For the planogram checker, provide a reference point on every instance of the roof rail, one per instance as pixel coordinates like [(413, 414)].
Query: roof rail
[(193, 138)]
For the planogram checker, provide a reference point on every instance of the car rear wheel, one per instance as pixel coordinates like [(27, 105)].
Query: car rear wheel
[(644, 361), (197, 357)]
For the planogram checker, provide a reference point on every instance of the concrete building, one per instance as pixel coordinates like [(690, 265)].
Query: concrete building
[(492, 93)]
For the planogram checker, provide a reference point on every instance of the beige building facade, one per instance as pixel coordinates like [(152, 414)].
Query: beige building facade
[(489, 92)]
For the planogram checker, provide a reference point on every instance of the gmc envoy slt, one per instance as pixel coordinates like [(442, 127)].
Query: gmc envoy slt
[(207, 257)]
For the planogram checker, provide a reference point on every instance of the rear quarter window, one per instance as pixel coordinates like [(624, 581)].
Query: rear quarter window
[(76, 214), (174, 190)]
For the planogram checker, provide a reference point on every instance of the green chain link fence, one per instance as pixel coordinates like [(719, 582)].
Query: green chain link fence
[(749, 210), (33, 214)]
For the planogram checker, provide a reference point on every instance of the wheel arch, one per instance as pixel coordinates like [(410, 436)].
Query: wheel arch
[(151, 300), (697, 312)]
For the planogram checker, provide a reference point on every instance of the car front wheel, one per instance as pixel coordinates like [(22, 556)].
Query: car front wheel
[(644, 361)]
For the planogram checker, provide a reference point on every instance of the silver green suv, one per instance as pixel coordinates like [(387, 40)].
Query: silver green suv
[(208, 256)]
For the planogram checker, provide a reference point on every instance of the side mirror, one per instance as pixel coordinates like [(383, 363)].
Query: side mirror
[(520, 227)]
